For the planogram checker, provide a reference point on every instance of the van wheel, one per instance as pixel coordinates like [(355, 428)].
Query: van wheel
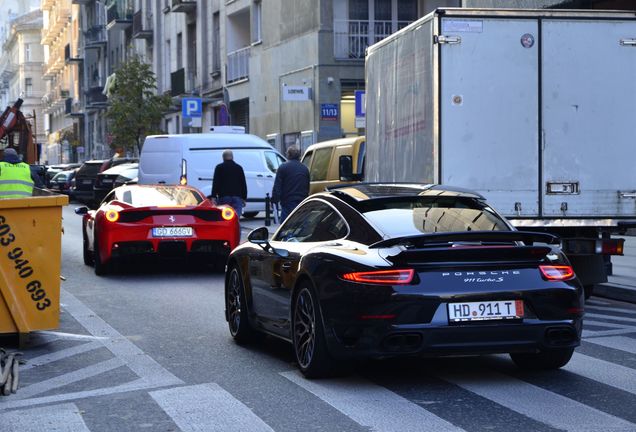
[(249, 215)]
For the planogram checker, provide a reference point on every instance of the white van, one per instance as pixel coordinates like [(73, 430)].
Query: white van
[(164, 158)]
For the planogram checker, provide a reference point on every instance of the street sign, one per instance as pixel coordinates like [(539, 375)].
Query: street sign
[(329, 112), (360, 106), (296, 93), (192, 111)]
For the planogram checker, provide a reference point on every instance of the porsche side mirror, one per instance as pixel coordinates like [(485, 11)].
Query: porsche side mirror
[(81, 210), (259, 236)]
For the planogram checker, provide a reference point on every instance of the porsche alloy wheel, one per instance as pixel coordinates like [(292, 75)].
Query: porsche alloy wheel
[(310, 347), (236, 308)]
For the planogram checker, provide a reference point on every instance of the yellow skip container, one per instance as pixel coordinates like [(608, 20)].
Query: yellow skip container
[(30, 254)]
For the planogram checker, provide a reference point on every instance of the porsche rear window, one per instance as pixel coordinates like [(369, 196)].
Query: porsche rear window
[(413, 215), (159, 196)]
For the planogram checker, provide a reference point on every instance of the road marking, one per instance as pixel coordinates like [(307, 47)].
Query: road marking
[(610, 317), (59, 355), (371, 405), (597, 302), (616, 342), (140, 363), (611, 374), (208, 407), (69, 378), (607, 324), (587, 334), (610, 309), (53, 418), (72, 336), (537, 403)]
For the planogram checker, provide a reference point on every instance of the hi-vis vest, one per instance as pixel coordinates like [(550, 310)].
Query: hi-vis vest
[(15, 180)]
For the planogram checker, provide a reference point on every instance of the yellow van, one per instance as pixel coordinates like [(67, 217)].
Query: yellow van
[(335, 162)]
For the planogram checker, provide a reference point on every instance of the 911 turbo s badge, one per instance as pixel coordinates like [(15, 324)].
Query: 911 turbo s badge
[(483, 277)]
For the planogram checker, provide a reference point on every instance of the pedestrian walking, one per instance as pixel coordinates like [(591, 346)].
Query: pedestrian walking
[(291, 185), (15, 176), (228, 184)]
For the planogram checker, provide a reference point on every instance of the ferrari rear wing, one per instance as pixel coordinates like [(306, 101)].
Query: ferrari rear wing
[(424, 240)]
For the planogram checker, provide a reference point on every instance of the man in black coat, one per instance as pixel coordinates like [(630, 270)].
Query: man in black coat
[(228, 184), (291, 185)]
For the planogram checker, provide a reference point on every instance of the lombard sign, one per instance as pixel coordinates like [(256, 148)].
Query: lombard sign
[(296, 93)]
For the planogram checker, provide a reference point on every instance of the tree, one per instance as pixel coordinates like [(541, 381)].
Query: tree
[(135, 111)]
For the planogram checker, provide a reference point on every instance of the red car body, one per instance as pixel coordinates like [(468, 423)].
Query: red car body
[(163, 220)]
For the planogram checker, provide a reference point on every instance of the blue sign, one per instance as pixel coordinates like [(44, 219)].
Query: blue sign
[(192, 111), (361, 101), (329, 112)]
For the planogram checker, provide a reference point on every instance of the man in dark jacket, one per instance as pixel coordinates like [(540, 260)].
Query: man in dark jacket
[(228, 185), (291, 185)]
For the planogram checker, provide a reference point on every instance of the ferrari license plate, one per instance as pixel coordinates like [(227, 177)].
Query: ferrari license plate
[(486, 310), (172, 232)]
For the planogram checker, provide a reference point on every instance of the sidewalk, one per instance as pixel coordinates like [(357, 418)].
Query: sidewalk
[(620, 286)]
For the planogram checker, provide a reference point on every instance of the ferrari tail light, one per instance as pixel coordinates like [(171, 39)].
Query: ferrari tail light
[(227, 213), (112, 215), (557, 273), (383, 277)]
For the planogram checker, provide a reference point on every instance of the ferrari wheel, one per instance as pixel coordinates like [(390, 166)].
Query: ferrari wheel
[(101, 268), (88, 255), (235, 305), (310, 347), (543, 360)]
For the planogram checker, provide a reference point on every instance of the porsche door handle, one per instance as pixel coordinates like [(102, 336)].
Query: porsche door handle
[(286, 266)]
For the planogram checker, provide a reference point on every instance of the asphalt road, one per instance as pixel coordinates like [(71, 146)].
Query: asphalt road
[(149, 350)]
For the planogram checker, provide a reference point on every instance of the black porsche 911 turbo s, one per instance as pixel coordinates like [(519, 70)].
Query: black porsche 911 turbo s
[(385, 270)]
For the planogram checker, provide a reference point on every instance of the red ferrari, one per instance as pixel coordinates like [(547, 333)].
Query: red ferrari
[(160, 220)]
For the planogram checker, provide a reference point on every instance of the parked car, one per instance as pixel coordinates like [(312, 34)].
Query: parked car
[(128, 176), (335, 162), (85, 180), (157, 220), (105, 180), (52, 170), (387, 270), (61, 182)]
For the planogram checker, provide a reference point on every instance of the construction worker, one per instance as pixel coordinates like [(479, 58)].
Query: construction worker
[(15, 176)]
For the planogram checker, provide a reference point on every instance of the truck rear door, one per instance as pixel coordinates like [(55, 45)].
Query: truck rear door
[(589, 118), (489, 110)]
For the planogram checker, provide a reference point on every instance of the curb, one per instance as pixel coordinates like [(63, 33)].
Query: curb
[(615, 292)]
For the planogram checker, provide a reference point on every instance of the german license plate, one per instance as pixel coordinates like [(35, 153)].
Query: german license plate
[(486, 310), (172, 232)]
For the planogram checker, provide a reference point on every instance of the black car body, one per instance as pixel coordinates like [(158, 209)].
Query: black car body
[(85, 180), (61, 182), (380, 271), (105, 181)]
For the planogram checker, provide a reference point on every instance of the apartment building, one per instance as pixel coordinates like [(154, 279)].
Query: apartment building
[(62, 67), (21, 63)]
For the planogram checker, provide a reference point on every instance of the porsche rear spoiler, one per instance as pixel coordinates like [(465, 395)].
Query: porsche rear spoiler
[(424, 240)]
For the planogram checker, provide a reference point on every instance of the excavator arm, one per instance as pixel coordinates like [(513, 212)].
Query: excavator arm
[(12, 123)]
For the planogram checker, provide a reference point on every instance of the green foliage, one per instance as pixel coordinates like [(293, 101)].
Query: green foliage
[(135, 111)]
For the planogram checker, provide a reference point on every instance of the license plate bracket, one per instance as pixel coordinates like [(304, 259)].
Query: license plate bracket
[(490, 310)]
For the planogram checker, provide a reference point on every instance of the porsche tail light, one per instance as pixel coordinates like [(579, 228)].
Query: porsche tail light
[(112, 215), (383, 277), (227, 213), (557, 273)]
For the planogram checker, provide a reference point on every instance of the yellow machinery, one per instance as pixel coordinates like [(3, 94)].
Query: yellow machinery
[(30, 253)]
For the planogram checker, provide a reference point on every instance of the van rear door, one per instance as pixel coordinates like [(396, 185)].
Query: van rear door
[(160, 161)]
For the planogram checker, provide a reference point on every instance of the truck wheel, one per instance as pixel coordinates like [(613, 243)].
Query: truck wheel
[(543, 360)]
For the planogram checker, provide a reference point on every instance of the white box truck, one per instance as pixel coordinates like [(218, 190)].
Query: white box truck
[(534, 109)]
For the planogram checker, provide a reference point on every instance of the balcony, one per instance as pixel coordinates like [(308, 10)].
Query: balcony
[(95, 37), (67, 56), (237, 67), (142, 25), (119, 15), (7, 68), (96, 99), (177, 82), (352, 37), (184, 6), (58, 19)]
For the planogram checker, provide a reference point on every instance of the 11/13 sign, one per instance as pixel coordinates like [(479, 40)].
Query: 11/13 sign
[(329, 112)]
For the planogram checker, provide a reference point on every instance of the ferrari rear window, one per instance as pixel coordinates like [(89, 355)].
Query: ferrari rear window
[(159, 196), (414, 215)]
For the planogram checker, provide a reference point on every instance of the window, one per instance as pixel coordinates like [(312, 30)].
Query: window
[(168, 65), (273, 161), (320, 166), (179, 50), (313, 222), (307, 159), (257, 13), (28, 87), (216, 42), (27, 52)]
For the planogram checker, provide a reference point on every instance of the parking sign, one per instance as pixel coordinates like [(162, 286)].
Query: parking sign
[(192, 111)]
